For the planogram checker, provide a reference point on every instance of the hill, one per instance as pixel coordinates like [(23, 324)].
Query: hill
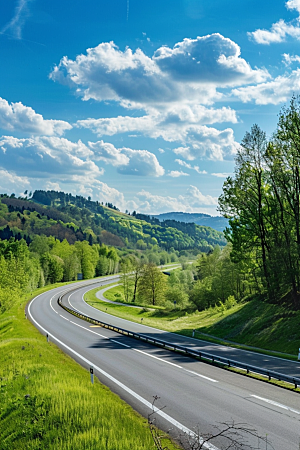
[(216, 222), (76, 218)]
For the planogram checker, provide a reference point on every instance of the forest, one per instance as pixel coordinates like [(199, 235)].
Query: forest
[(78, 220)]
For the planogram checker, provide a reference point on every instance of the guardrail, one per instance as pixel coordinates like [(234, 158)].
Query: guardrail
[(185, 350)]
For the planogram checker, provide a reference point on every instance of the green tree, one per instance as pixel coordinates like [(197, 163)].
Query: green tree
[(152, 285)]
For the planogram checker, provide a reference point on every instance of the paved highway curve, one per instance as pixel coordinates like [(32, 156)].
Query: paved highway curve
[(194, 395)]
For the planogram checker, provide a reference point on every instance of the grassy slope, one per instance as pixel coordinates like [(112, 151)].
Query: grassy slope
[(48, 402), (257, 324)]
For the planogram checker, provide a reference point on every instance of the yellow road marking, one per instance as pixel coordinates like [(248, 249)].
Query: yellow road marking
[(95, 326)]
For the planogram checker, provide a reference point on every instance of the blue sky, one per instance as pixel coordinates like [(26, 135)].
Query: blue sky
[(142, 104)]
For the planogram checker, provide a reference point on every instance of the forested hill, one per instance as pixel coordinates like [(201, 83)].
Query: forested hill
[(76, 218), (218, 223)]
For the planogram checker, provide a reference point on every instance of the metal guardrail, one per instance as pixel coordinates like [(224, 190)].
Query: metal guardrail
[(186, 350)]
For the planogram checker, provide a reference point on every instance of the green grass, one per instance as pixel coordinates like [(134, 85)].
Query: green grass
[(48, 402), (257, 325)]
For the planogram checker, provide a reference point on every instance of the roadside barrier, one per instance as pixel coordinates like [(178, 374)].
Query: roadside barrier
[(185, 350)]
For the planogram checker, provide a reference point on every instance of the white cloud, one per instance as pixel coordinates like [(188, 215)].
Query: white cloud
[(142, 163), (11, 182), (109, 153), (192, 201), (189, 166), (274, 92), (221, 175), (46, 157), (293, 4), (211, 59), (176, 119), (190, 72), (209, 143), (289, 59), (16, 117), (279, 30), (128, 161), (177, 173)]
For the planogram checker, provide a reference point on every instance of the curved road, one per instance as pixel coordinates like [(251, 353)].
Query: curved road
[(193, 395)]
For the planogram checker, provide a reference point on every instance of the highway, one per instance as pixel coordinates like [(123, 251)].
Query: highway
[(193, 395)]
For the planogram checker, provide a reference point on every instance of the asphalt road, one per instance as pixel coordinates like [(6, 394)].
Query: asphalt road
[(193, 395)]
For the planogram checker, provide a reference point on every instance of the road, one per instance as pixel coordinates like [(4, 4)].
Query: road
[(193, 395)]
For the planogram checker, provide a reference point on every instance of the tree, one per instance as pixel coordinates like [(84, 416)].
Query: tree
[(244, 202), (126, 278), (152, 285)]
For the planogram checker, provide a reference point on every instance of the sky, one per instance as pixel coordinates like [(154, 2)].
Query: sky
[(140, 103)]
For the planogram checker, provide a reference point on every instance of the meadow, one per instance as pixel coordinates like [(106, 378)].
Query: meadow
[(48, 401)]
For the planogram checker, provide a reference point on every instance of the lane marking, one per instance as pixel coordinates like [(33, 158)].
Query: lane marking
[(124, 345), (64, 318), (280, 405), (202, 376), (155, 357), (141, 399), (91, 331), (95, 326)]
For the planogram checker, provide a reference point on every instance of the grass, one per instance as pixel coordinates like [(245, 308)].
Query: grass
[(262, 327), (48, 402)]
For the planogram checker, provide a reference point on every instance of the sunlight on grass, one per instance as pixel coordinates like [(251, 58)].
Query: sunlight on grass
[(48, 402)]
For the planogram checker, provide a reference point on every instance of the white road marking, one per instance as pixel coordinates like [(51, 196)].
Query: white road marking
[(64, 318), (145, 402), (202, 376), (120, 343), (87, 329), (155, 357), (272, 402)]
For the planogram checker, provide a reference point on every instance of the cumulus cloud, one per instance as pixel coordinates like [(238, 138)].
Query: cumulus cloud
[(210, 143), (289, 59), (275, 92), (192, 200), (16, 117), (177, 173), (189, 166), (11, 182), (173, 87), (190, 71), (176, 119), (179, 123), (279, 30), (211, 59), (109, 153), (221, 175), (127, 161), (142, 163), (46, 157)]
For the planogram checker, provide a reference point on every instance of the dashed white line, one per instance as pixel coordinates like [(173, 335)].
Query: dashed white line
[(279, 405), (120, 343), (202, 376), (155, 357), (64, 318)]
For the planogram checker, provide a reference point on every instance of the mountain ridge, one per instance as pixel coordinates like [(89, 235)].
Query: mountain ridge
[(218, 223)]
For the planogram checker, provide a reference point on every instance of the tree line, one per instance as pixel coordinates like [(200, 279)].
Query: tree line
[(262, 202)]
